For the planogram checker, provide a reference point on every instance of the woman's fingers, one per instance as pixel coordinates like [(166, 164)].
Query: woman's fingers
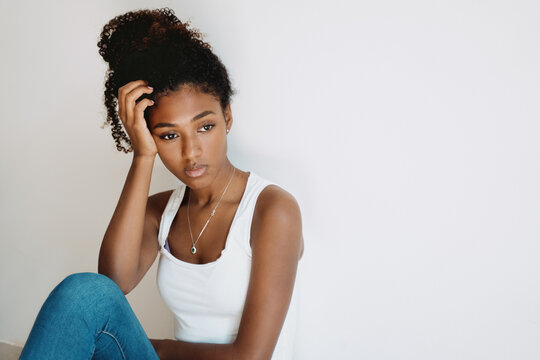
[(140, 107), (138, 113), (123, 100), (130, 100), (122, 92), (131, 113)]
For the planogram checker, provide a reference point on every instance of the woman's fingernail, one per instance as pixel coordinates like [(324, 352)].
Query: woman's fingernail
[(151, 88)]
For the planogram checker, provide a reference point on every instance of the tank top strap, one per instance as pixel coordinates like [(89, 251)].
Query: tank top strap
[(256, 184), (169, 213)]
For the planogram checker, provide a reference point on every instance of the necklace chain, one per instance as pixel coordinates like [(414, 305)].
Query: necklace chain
[(193, 248)]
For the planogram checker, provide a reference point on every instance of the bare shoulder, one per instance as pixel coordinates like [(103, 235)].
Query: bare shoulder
[(275, 199), (276, 208), (156, 204), (161, 198)]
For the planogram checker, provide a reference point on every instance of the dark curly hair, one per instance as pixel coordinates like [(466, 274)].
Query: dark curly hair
[(155, 46)]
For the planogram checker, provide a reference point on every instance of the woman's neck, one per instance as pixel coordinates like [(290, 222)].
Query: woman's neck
[(203, 197)]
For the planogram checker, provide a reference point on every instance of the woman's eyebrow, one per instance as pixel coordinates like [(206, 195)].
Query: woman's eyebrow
[(196, 117), (203, 114)]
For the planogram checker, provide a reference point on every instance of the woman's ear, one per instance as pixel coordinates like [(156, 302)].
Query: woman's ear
[(227, 114)]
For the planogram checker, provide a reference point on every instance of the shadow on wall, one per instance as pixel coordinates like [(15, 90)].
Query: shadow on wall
[(9, 351)]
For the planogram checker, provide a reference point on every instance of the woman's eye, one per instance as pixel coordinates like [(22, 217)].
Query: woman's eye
[(164, 137), (206, 127)]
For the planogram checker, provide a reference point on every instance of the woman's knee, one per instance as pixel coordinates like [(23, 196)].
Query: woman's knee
[(84, 297), (86, 284)]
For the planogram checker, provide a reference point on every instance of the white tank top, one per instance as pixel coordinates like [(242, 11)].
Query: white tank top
[(207, 300)]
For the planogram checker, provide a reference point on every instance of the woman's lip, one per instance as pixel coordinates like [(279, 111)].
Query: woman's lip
[(195, 172)]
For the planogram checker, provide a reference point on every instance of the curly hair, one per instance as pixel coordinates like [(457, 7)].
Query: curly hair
[(155, 46)]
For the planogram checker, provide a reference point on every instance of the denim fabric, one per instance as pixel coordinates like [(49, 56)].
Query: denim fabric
[(87, 316)]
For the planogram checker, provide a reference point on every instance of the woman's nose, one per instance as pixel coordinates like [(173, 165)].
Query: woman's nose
[(191, 148)]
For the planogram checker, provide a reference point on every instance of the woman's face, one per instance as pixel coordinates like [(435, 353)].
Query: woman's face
[(189, 128)]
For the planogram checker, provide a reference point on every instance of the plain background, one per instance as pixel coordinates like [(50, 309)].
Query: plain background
[(407, 131)]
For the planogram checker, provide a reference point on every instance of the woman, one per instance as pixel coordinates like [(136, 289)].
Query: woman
[(229, 241)]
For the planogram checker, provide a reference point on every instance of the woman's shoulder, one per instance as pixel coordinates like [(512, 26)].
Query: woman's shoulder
[(278, 208), (157, 202), (272, 194)]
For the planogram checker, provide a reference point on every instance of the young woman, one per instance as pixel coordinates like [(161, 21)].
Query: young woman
[(229, 240)]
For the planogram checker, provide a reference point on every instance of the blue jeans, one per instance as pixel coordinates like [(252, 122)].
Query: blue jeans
[(87, 316)]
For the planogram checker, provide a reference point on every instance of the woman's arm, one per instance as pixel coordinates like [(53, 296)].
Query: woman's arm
[(120, 251), (130, 243), (277, 245)]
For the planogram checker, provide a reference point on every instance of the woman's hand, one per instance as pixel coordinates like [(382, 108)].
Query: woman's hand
[(132, 116)]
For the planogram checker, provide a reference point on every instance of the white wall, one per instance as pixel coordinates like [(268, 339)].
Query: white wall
[(408, 132)]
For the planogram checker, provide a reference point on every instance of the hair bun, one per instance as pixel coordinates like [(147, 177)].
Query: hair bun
[(137, 31)]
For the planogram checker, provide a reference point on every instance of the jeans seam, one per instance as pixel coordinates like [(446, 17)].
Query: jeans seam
[(117, 343)]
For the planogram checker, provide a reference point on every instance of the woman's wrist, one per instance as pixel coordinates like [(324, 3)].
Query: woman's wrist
[(144, 158)]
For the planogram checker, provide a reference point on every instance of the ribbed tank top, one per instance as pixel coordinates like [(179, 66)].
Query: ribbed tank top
[(207, 300)]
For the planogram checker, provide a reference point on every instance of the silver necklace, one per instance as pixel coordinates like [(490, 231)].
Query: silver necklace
[(193, 248)]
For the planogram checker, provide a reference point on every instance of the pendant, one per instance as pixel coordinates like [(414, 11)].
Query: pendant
[(193, 249)]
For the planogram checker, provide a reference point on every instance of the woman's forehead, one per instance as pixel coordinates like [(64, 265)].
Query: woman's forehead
[(184, 104)]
